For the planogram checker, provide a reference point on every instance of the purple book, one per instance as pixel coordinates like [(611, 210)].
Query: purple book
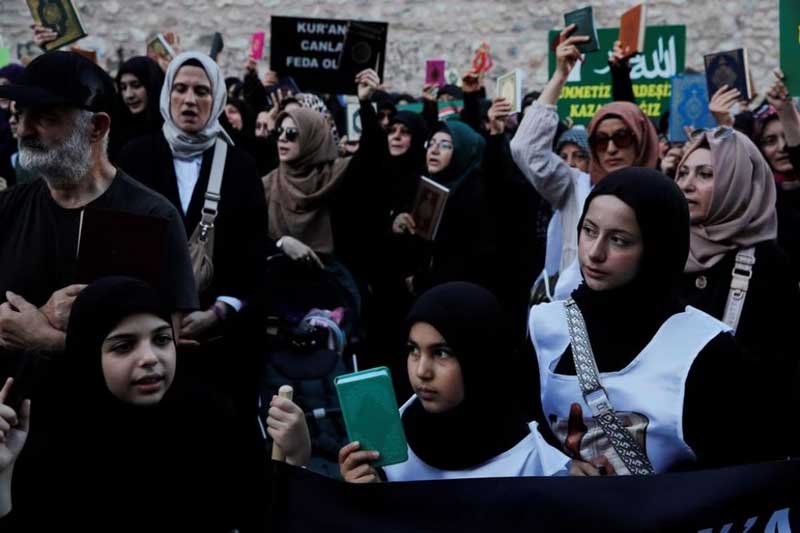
[(435, 71)]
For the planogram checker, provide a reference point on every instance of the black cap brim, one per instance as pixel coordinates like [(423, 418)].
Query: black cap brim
[(31, 96)]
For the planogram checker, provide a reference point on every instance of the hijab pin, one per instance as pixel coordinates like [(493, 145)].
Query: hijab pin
[(701, 282)]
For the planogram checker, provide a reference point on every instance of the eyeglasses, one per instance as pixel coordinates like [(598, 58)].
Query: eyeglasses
[(622, 139), (291, 134), (441, 145)]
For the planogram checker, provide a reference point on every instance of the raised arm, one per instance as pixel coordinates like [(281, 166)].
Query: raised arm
[(531, 147)]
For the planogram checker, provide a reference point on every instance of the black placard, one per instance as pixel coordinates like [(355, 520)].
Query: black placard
[(324, 55)]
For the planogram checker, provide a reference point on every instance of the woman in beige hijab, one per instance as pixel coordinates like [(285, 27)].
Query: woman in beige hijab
[(735, 270)]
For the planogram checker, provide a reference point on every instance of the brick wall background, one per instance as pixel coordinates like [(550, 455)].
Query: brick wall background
[(515, 29)]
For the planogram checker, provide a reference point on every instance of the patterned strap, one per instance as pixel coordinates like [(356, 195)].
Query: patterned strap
[(596, 398), (740, 281)]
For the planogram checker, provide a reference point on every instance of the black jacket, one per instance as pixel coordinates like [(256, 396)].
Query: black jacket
[(240, 240)]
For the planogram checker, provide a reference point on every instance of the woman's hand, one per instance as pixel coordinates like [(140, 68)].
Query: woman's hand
[(619, 57), (297, 251), (43, 35), (599, 467), (471, 82), (722, 103), (286, 425), (13, 428), (669, 165), (567, 53), (404, 223), (778, 95), (429, 92), (368, 81), (356, 466), (498, 114)]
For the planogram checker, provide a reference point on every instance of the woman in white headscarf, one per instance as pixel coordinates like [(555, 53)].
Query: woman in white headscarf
[(177, 161)]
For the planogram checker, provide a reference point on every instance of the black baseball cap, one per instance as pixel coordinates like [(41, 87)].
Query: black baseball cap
[(63, 78)]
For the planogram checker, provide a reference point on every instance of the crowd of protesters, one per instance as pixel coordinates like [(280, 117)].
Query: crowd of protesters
[(576, 273)]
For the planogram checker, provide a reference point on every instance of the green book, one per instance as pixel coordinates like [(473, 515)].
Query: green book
[(789, 12), (5, 56), (371, 415), (585, 27)]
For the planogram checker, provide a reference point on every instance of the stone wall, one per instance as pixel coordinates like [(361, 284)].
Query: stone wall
[(451, 29)]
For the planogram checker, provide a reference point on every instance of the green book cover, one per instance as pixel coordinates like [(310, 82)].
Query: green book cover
[(5, 56), (789, 11), (584, 20), (371, 415), (62, 17)]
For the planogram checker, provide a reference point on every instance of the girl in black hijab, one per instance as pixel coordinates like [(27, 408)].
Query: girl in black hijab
[(130, 427), (139, 82), (459, 364), (666, 369)]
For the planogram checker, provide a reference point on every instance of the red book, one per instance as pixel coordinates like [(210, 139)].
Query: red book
[(632, 27)]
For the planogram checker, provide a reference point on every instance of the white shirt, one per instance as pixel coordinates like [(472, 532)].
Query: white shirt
[(188, 172), (649, 391), (531, 456)]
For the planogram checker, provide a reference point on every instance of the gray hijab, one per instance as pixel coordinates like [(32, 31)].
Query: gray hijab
[(186, 145)]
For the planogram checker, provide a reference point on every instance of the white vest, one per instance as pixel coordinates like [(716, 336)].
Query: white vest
[(531, 456), (652, 385)]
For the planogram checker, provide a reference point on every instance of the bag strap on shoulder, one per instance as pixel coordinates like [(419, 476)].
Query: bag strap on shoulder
[(740, 282), (212, 196), (595, 396)]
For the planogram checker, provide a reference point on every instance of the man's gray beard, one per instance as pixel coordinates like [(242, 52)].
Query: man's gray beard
[(62, 165)]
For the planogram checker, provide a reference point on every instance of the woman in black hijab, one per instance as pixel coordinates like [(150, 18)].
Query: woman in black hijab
[(139, 82), (459, 364), (130, 427), (666, 369)]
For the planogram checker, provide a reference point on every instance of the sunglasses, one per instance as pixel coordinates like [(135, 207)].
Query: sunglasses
[(291, 134), (622, 139)]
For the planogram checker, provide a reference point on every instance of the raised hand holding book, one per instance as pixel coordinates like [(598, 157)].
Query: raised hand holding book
[(62, 17)]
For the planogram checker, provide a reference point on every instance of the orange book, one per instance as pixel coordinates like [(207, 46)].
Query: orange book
[(632, 27)]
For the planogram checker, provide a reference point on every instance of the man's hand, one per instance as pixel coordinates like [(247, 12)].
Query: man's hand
[(23, 327), (59, 305), (196, 323)]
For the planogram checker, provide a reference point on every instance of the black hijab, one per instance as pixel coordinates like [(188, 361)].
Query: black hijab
[(129, 126), (621, 321), (97, 310), (489, 420)]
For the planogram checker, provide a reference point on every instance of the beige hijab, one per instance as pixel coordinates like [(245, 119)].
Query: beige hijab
[(742, 211), (298, 191)]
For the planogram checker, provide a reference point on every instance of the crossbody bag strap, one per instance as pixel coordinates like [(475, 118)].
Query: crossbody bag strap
[(212, 196), (596, 398), (740, 282)]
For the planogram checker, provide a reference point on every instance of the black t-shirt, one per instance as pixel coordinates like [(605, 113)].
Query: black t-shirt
[(39, 239)]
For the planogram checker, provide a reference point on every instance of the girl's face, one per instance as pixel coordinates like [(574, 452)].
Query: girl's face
[(138, 359), (773, 145), (440, 152), (696, 180), (399, 139), (609, 244), (234, 116), (133, 92), (288, 147), (433, 370)]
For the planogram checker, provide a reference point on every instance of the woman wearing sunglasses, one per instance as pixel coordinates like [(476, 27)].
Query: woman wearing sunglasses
[(321, 206), (620, 135), (735, 270)]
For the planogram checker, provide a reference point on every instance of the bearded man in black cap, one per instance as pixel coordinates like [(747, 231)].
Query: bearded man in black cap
[(65, 105)]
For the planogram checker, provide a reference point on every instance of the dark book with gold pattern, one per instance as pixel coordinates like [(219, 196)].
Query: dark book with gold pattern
[(62, 17), (729, 68)]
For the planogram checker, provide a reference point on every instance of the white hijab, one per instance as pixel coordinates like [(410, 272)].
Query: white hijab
[(186, 145)]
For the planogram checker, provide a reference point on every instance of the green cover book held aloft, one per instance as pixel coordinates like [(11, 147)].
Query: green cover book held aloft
[(60, 16), (371, 415), (584, 21), (789, 12)]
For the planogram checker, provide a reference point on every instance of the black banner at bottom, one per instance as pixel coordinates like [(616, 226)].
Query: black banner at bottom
[(754, 498)]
